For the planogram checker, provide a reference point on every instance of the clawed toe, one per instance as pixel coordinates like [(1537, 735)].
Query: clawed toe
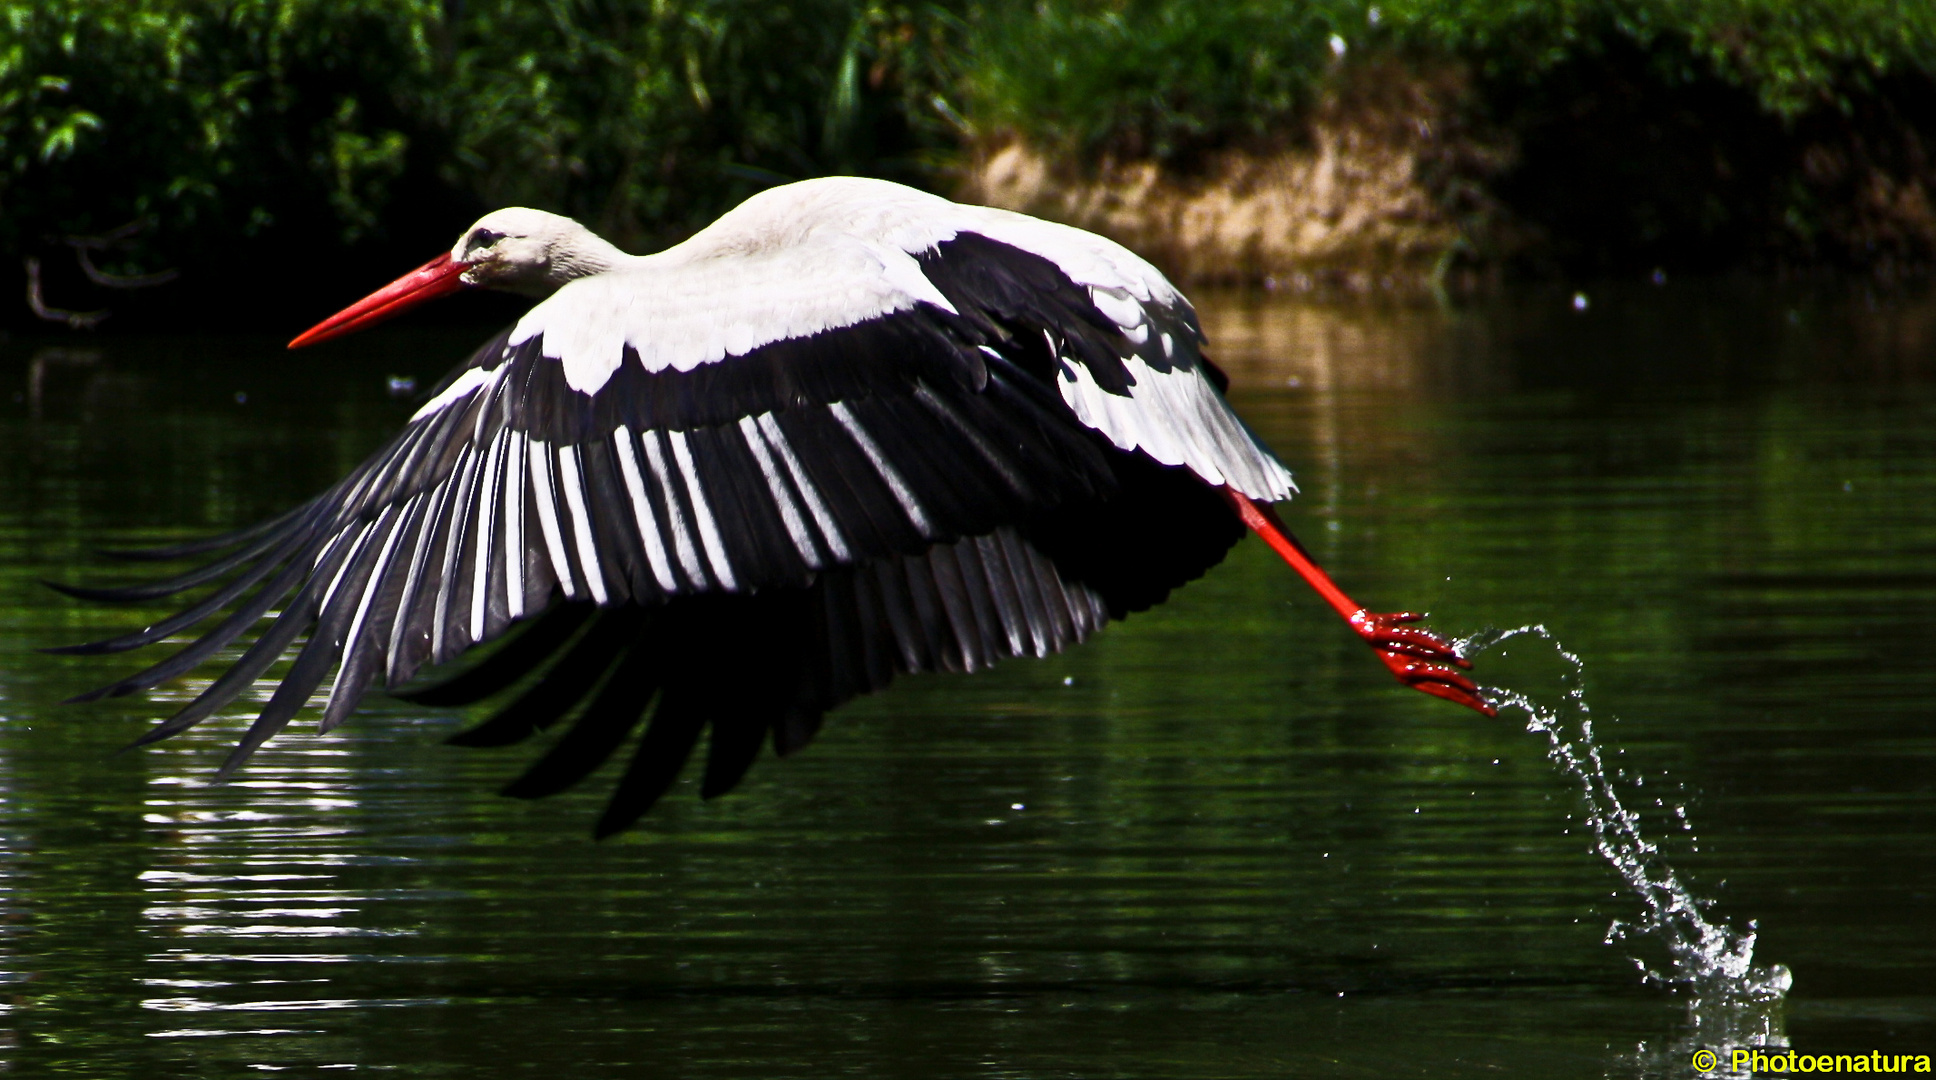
[(1469, 698), (1419, 658), (1437, 680), (1388, 633)]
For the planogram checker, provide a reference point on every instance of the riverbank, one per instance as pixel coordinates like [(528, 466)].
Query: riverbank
[(1383, 189), (1413, 179), (1431, 147)]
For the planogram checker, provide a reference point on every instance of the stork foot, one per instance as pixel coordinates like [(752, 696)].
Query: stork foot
[(1419, 658)]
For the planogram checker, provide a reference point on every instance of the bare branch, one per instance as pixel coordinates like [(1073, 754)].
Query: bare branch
[(115, 238), (75, 320), (111, 238), (120, 281)]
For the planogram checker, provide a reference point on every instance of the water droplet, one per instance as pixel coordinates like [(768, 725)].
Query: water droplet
[(1731, 1001)]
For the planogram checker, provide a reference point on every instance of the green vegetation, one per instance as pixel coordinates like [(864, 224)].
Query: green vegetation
[(1164, 77), (324, 123), (352, 127)]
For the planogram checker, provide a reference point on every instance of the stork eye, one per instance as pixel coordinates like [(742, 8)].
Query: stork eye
[(481, 238)]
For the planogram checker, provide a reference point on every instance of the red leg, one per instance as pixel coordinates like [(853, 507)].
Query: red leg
[(1418, 658)]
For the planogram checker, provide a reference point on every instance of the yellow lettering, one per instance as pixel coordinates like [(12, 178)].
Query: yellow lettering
[(1922, 1062), (1844, 1063)]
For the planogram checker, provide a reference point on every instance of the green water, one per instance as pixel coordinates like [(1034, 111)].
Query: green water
[(1215, 842)]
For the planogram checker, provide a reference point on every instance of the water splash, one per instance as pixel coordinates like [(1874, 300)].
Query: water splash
[(1731, 1000)]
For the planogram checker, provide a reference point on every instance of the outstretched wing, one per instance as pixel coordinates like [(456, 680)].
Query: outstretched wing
[(759, 464), (758, 667), (769, 666)]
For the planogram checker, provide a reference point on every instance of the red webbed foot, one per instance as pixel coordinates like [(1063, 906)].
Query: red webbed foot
[(1419, 658)]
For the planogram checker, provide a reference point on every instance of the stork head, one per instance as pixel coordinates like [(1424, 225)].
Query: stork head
[(530, 251), (515, 249)]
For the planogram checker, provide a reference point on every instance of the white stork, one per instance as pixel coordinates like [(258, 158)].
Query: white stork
[(847, 431)]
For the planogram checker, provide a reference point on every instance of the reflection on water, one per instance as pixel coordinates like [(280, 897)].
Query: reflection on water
[(1726, 333), (1215, 842)]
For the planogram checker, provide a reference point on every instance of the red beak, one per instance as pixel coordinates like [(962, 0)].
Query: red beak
[(438, 277)]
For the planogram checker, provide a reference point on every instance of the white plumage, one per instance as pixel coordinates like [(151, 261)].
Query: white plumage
[(797, 261), (847, 431)]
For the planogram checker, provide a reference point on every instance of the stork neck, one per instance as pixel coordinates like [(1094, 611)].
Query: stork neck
[(588, 253)]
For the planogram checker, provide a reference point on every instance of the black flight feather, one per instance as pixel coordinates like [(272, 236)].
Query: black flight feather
[(507, 664)]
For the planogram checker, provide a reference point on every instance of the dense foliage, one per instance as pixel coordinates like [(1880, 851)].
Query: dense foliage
[(1164, 77), (247, 130), (327, 125)]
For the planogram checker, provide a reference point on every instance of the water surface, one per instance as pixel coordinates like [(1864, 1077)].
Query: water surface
[(1215, 842)]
